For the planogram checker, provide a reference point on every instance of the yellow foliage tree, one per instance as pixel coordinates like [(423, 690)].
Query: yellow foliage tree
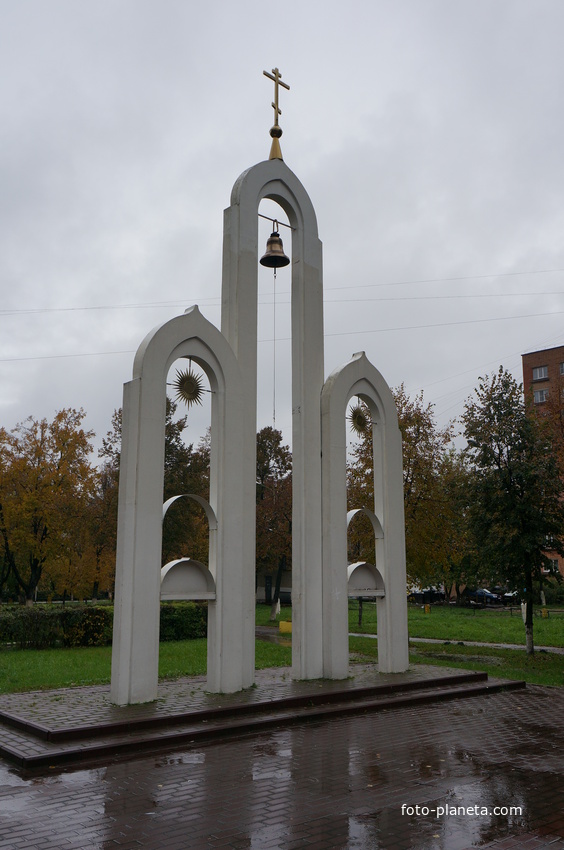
[(424, 446), (46, 486)]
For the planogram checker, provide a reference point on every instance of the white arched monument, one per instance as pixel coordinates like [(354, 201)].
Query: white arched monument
[(135, 649), (360, 378), (319, 520)]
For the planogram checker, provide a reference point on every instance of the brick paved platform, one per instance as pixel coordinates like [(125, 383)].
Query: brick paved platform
[(329, 784), (80, 724)]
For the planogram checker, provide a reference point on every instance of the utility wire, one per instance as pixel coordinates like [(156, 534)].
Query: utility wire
[(216, 301), (62, 356), (335, 333)]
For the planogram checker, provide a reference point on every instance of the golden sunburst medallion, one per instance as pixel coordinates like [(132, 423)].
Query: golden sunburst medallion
[(189, 387), (359, 418)]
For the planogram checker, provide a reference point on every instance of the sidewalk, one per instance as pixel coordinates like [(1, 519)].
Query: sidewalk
[(482, 772), (336, 784), (558, 650), (79, 726)]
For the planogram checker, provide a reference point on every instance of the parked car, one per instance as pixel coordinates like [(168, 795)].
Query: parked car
[(511, 598), (483, 597), (430, 594)]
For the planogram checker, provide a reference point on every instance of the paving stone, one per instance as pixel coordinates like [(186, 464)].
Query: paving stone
[(336, 784), (31, 737)]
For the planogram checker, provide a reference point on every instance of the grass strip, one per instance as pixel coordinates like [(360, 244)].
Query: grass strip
[(483, 625), (543, 668), (25, 670), (42, 669)]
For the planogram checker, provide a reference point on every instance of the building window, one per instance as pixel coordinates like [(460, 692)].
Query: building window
[(549, 541), (539, 396), (540, 373), (562, 369)]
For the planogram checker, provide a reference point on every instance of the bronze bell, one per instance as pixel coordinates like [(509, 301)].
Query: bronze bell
[(274, 258)]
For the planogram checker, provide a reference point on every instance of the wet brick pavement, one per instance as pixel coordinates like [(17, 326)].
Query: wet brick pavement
[(64, 707), (324, 786)]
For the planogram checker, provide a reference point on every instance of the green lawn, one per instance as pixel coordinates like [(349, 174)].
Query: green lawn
[(23, 670), (262, 616), (543, 668), (38, 669), (451, 623)]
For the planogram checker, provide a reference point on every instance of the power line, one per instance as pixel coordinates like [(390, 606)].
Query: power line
[(513, 357), (447, 324), (327, 302), (335, 333), (449, 279), (138, 306), (442, 297), (63, 356), (215, 301)]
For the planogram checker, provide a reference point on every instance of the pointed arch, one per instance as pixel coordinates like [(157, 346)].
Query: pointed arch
[(136, 613), (360, 378), (273, 179)]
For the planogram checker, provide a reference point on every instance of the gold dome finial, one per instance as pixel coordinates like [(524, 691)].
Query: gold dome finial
[(276, 130)]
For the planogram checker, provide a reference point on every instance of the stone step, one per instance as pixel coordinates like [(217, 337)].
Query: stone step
[(73, 731), (30, 746)]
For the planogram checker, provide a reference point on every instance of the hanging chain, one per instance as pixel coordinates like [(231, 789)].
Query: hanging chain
[(274, 353)]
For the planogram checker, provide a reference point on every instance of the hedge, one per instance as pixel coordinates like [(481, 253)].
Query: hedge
[(183, 620), (41, 626)]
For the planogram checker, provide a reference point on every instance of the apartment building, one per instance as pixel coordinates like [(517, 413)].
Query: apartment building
[(543, 374), (543, 378)]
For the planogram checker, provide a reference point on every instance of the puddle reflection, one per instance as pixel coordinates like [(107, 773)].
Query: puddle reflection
[(330, 782)]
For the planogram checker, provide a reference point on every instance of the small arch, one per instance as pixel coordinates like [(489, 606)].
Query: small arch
[(365, 580), (375, 522), (186, 579), (210, 513)]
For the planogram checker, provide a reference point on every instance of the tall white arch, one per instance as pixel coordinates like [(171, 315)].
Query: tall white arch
[(360, 378), (135, 650), (273, 179)]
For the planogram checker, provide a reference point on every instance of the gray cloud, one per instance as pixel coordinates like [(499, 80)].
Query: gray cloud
[(427, 133)]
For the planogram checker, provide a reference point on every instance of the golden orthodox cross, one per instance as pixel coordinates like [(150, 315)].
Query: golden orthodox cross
[(276, 76)]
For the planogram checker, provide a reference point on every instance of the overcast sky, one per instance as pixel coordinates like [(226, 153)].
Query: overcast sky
[(427, 133)]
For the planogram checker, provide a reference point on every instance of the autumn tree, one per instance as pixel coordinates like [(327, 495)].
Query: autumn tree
[(424, 445), (186, 471), (102, 530), (274, 506), (185, 530), (455, 560), (516, 506), (274, 459), (46, 481)]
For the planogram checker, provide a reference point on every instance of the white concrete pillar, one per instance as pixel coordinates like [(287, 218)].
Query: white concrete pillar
[(273, 179), (135, 645)]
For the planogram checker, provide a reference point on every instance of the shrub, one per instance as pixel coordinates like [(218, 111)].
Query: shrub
[(183, 620), (43, 626), (40, 627), (30, 627), (88, 626)]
